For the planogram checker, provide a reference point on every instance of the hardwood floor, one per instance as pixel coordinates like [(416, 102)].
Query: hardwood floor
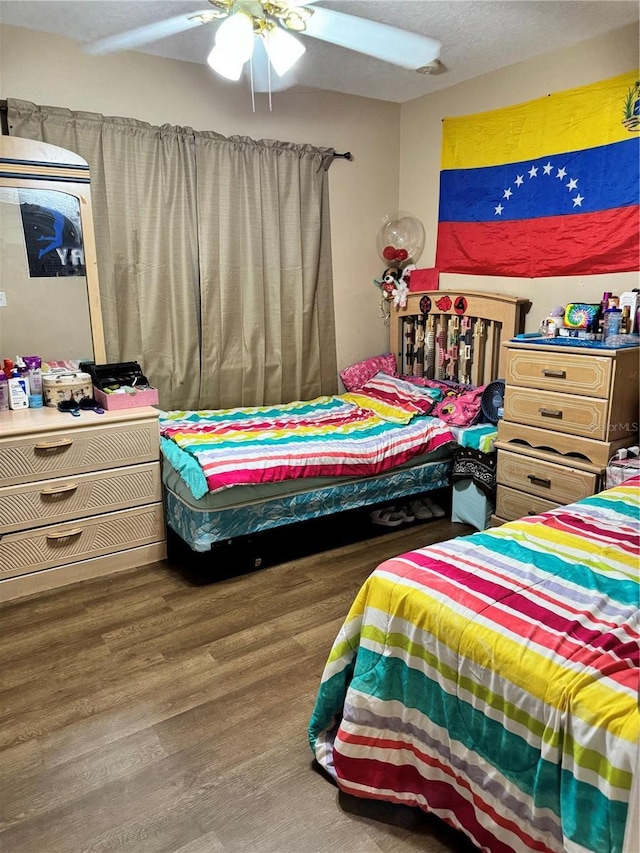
[(143, 712)]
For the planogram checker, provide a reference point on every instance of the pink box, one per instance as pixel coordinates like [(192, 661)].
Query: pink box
[(149, 397)]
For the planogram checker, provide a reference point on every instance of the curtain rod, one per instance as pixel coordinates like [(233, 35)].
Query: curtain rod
[(4, 128)]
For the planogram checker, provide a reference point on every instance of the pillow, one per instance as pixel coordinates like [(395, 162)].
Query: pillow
[(354, 377), (460, 409), (393, 399), (392, 389)]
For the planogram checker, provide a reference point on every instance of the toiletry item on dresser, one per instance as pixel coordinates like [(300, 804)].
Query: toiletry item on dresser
[(18, 390), (612, 320), (4, 392), (34, 368), (65, 386), (630, 300), (625, 321), (604, 305)]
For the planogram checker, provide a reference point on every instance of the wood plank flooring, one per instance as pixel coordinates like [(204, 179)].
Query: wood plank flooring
[(145, 713)]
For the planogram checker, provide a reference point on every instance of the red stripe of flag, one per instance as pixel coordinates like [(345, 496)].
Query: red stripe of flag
[(532, 248)]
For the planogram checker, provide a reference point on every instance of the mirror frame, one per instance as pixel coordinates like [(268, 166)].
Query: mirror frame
[(30, 164)]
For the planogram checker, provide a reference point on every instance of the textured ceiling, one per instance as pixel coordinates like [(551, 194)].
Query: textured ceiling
[(478, 36)]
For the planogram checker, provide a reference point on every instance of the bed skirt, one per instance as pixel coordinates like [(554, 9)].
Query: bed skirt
[(200, 527)]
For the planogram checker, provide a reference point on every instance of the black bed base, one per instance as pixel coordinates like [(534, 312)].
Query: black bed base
[(233, 557)]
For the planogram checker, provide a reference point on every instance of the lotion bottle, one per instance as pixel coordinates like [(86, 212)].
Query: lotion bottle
[(18, 391)]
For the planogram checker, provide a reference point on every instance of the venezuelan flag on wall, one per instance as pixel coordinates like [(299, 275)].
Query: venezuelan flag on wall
[(549, 187)]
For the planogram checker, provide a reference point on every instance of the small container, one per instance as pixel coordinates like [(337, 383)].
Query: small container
[(35, 401), (57, 387)]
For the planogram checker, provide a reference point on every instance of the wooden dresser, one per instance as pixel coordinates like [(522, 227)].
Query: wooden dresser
[(566, 412), (79, 496)]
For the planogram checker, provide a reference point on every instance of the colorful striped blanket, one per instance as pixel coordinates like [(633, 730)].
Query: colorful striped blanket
[(325, 437), (493, 681)]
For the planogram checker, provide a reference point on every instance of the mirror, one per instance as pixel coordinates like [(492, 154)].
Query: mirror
[(49, 296)]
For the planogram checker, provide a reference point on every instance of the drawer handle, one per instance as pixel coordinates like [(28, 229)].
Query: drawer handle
[(556, 374), (57, 490), (51, 445), (551, 413), (539, 481), (64, 534)]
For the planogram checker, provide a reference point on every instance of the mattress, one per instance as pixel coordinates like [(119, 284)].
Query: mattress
[(492, 680), (241, 510)]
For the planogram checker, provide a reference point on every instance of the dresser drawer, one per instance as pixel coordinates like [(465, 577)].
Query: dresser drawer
[(556, 483), (584, 416), (58, 453), (589, 376), (66, 498), (511, 504), (63, 544)]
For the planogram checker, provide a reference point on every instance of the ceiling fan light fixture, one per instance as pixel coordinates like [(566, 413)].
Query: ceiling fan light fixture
[(235, 35), (225, 62), (283, 49)]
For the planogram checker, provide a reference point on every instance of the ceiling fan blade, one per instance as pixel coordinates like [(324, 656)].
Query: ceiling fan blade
[(150, 32), (389, 44)]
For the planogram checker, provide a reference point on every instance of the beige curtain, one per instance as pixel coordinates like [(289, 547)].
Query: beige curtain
[(214, 256), (265, 258)]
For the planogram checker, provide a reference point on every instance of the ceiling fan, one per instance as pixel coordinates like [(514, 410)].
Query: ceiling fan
[(245, 23)]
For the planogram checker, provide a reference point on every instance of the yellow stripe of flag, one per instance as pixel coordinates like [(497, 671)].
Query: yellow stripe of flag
[(572, 120)]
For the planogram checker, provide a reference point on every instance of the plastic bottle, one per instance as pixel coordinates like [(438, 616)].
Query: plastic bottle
[(18, 390), (4, 392), (33, 364), (604, 305), (612, 320)]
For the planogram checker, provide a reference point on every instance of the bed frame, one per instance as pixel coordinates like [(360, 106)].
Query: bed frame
[(468, 329), (456, 335)]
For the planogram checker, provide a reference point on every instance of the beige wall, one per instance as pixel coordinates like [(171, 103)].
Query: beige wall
[(52, 70), (421, 139)]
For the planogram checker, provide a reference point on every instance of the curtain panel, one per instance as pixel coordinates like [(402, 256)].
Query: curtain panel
[(214, 256)]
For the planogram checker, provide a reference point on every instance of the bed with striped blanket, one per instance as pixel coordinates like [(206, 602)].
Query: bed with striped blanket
[(492, 680), (237, 472)]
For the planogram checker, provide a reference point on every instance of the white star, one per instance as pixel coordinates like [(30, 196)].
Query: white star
[(533, 172), (573, 183), (507, 194), (577, 201), (519, 180), (561, 173), (499, 209), (547, 169)]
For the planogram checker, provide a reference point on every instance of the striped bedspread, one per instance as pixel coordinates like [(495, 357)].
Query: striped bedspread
[(493, 681), (325, 437)]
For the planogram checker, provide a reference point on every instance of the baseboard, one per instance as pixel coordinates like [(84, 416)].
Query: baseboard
[(35, 582)]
